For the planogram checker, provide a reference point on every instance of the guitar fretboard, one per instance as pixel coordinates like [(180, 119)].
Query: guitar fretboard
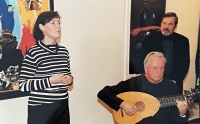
[(170, 101)]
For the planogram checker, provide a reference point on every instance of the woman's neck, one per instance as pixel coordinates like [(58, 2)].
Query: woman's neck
[(48, 42)]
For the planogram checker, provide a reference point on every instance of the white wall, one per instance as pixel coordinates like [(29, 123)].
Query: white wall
[(93, 32), (13, 111)]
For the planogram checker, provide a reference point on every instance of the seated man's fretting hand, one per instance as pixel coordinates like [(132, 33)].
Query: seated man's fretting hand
[(129, 108), (182, 107)]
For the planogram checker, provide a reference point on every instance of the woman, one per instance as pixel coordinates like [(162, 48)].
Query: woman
[(45, 73)]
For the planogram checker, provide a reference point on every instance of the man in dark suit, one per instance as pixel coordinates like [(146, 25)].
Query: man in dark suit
[(175, 48)]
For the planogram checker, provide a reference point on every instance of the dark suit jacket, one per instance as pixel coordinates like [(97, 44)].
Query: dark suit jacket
[(197, 70), (181, 54), (197, 62)]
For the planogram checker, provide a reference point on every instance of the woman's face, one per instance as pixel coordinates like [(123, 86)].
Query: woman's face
[(52, 29)]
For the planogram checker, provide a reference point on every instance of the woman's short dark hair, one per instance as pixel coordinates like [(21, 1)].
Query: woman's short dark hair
[(43, 18)]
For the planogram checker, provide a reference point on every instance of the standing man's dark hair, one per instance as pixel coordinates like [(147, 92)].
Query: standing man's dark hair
[(171, 14)]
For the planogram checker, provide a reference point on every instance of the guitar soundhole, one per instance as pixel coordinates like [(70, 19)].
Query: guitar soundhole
[(140, 106)]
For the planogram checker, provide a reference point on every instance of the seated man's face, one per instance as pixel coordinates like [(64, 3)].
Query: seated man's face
[(155, 69)]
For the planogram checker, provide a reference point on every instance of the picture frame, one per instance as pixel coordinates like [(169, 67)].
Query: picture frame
[(135, 29), (17, 19), (197, 62)]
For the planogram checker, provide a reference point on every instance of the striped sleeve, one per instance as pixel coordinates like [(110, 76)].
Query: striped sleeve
[(68, 59), (68, 66), (28, 69)]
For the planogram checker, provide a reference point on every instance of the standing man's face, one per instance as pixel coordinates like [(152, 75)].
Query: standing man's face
[(168, 26)]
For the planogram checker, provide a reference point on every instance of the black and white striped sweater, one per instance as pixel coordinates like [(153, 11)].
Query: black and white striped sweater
[(40, 63)]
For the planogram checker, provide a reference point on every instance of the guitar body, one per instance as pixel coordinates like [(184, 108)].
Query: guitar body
[(147, 106)]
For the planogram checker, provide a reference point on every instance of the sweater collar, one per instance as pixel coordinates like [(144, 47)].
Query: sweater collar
[(47, 47)]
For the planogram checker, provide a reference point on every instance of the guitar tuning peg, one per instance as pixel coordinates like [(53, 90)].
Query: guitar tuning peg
[(195, 94), (186, 91), (193, 89)]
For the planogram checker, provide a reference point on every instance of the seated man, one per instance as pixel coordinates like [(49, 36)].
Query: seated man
[(153, 83)]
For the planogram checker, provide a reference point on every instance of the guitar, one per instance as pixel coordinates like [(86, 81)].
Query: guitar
[(148, 105)]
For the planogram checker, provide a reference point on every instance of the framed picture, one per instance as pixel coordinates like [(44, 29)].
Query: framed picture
[(142, 18), (17, 18), (197, 61)]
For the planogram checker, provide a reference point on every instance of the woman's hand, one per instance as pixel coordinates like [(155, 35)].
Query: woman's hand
[(67, 79), (57, 78)]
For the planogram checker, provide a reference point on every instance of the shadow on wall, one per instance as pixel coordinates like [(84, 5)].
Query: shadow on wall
[(105, 106)]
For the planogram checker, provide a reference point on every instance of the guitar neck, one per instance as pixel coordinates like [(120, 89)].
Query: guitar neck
[(170, 101)]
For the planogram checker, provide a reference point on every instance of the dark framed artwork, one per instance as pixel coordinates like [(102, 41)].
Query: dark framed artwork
[(145, 18), (197, 62), (17, 18)]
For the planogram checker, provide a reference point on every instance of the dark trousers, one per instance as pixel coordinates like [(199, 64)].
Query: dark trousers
[(55, 113)]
